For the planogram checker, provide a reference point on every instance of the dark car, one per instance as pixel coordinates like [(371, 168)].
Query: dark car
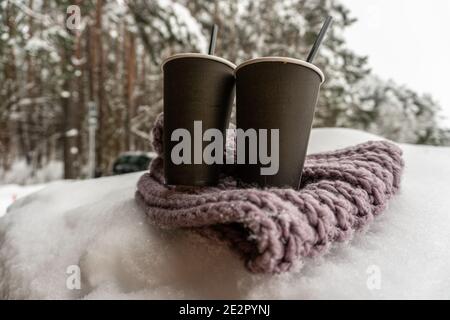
[(132, 162)]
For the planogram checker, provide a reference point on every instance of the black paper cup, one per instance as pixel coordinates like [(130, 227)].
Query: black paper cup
[(277, 93), (197, 87)]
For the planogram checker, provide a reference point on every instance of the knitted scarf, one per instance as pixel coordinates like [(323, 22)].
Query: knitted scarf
[(272, 229)]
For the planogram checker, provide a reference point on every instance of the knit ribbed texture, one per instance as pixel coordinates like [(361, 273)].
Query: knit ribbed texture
[(272, 229)]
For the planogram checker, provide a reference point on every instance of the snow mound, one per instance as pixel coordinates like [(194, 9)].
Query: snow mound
[(326, 139), (96, 226), (11, 193)]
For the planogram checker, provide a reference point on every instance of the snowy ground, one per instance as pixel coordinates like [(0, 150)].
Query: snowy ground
[(96, 225), (11, 193)]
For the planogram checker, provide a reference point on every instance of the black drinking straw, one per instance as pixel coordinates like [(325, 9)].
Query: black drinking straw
[(212, 43), (318, 42)]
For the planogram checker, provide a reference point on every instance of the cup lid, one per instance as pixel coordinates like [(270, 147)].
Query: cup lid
[(198, 55), (283, 60)]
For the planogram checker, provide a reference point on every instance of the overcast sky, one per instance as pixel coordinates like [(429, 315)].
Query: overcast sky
[(406, 40)]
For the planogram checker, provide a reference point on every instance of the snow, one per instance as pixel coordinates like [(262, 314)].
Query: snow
[(72, 132), (176, 21), (35, 44), (96, 225), (11, 193), (23, 174), (65, 94)]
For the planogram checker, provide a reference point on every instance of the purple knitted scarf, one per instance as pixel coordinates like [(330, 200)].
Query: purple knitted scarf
[(342, 191)]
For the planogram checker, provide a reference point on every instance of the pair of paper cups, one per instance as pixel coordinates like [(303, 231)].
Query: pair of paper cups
[(271, 93)]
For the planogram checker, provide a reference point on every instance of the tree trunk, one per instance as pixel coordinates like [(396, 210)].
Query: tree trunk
[(70, 132), (68, 138), (99, 70), (11, 86), (81, 107), (130, 71)]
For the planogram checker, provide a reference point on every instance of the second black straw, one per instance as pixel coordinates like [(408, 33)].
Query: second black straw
[(212, 43), (318, 42)]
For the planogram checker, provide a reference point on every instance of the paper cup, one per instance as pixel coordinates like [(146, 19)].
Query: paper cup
[(277, 93), (197, 87)]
